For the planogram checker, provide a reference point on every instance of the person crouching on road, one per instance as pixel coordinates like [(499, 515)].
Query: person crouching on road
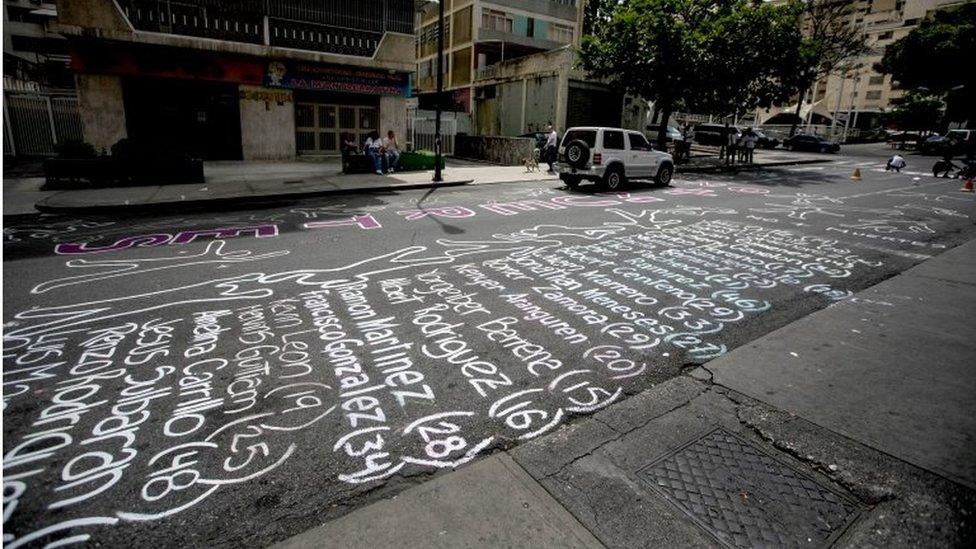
[(374, 150), (392, 148), (552, 139), (896, 163)]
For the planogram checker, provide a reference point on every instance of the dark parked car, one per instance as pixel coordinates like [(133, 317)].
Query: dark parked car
[(955, 142), (713, 134), (672, 134), (813, 143), (765, 142)]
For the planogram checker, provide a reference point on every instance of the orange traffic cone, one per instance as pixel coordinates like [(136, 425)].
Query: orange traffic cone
[(856, 176), (968, 187)]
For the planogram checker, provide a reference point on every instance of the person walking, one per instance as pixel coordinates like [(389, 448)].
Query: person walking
[(552, 138), (374, 150), (392, 150)]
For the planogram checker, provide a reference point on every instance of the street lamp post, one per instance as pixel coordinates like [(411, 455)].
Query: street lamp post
[(440, 92)]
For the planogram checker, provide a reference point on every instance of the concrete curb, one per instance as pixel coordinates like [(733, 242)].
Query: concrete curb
[(196, 204)]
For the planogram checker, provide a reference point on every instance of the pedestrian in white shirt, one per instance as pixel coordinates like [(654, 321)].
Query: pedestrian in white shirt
[(751, 140), (551, 143), (374, 150), (896, 163)]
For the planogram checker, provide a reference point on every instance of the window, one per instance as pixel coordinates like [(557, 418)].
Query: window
[(876, 81), (873, 94), (613, 139), (462, 27), (561, 33), (913, 21), (530, 27), (496, 20), (586, 136), (886, 35), (638, 142)]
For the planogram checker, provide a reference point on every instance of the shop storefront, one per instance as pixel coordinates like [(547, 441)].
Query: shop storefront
[(220, 106)]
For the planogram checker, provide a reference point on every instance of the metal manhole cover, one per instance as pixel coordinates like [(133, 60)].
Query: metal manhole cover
[(746, 498)]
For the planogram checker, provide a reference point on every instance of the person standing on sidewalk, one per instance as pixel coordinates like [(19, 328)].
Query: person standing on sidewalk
[(552, 138), (751, 138), (731, 139)]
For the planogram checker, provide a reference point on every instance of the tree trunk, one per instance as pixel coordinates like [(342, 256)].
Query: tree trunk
[(799, 105), (662, 129)]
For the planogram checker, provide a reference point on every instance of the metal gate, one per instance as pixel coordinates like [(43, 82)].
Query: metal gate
[(319, 128), (35, 124), (421, 133)]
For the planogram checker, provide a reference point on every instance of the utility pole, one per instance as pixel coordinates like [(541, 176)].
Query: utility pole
[(440, 92)]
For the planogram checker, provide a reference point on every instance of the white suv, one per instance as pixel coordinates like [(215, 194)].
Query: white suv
[(609, 156)]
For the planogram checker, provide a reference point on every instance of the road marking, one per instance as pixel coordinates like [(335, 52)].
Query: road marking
[(891, 190)]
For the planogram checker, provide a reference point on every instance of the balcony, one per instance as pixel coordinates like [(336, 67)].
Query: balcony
[(327, 26)]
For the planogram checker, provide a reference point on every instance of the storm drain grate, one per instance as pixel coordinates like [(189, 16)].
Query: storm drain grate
[(747, 498)]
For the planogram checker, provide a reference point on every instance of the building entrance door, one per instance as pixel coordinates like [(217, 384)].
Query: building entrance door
[(319, 127)]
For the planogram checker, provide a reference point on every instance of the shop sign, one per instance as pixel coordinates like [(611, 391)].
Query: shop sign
[(304, 76), (268, 96)]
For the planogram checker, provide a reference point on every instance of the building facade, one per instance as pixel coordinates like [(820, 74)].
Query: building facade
[(481, 34), (858, 97), (251, 79), (35, 56), (527, 94)]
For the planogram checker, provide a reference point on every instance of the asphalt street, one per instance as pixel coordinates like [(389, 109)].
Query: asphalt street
[(238, 377)]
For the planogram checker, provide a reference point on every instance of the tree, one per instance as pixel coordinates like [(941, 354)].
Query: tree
[(916, 112), (718, 55), (595, 11), (830, 44), (936, 58)]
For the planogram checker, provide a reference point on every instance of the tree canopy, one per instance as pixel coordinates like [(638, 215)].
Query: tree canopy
[(721, 56), (916, 112), (937, 58)]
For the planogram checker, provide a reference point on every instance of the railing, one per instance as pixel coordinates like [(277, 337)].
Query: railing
[(314, 37), (485, 73), (35, 124), (421, 136), (330, 26)]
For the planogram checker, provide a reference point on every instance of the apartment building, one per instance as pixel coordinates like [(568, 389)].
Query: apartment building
[(35, 56), (857, 98), (251, 79), (480, 34)]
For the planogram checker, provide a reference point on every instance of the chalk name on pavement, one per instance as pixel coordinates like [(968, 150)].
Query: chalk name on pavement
[(176, 394)]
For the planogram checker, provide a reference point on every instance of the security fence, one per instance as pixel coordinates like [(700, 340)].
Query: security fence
[(34, 124)]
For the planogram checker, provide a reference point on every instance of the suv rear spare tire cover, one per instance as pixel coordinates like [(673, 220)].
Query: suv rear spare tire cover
[(577, 154)]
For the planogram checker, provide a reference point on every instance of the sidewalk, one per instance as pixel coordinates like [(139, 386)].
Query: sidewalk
[(252, 182), (851, 427)]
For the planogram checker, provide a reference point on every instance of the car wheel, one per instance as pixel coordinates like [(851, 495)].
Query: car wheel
[(664, 174), (577, 154), (614, 178), (570, 181), (823, 149)]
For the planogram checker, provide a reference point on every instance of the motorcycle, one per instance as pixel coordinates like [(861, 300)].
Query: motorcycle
[(948, 169)]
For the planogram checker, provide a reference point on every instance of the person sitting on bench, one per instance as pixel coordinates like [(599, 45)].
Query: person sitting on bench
[(374, 150)]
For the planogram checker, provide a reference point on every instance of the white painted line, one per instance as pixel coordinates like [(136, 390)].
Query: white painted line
[(892, 190)]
